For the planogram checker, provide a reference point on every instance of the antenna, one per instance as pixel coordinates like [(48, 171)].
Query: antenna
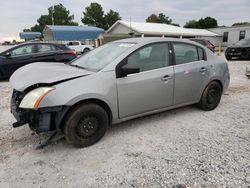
[(130, 23)]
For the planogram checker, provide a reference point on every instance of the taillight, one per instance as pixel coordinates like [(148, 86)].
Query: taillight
[(72, 52)]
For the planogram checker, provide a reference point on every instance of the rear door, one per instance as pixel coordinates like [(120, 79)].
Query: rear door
[(191, 72), (45, 53), (152, 87)]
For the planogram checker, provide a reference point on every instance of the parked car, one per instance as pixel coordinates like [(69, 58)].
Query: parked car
[(79, 47), (20, 55), (116, 82), (240, 50), (205, 42)]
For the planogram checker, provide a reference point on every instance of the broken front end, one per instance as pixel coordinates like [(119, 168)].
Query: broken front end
[(39, 119)]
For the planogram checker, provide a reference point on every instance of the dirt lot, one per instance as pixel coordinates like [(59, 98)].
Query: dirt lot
[(183, 146)]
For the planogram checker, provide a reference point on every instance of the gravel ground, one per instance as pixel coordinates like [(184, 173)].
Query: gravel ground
[(182, 146)]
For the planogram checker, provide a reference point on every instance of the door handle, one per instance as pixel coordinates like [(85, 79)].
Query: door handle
[(166, 78), (203, 69)]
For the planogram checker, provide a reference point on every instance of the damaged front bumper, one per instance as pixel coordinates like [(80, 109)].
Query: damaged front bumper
[(41, 120)]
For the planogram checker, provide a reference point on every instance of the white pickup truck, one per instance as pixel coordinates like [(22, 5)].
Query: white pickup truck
[(79, 47)]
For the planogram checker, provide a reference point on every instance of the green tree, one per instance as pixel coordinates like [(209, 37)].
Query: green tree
[(164, 19), (61, 16), (191, 24), (241, 23), (26, 30), (202, 23), (161, 18), (153, 18), (208, 22), (110, 18), (94, 16)]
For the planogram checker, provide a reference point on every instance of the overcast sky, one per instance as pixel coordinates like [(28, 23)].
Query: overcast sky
[(15, 15)]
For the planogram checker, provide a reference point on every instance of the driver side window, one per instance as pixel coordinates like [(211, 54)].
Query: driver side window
[(150, 57), (23, 50)]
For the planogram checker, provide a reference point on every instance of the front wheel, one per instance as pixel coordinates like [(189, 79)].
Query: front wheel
[(211, 96), (85, 125)]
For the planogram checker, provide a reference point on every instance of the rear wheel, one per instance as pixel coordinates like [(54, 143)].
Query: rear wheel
[(32, 128), (211, 96), (85, 125), (86, 50), (228, 57), (1, 75), (244, 56)]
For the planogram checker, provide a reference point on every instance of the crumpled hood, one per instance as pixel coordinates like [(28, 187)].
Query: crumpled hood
[(44, 73)]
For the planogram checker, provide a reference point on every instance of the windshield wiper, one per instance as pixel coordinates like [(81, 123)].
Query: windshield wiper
[(77, 66)]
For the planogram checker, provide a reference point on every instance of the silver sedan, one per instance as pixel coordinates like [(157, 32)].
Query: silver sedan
[(116, 82)]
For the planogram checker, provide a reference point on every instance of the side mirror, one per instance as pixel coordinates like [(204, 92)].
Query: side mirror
[(128, 69), (8, 55)]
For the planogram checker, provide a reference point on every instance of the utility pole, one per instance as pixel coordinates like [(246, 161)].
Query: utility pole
[(52, 17), (131, 33)]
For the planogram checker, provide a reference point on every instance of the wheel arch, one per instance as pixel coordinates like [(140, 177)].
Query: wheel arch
[(86, 48), (213, 80), (99, 102), (219, 82)]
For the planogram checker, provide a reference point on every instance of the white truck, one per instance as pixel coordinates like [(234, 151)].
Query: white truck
[(79, 47)]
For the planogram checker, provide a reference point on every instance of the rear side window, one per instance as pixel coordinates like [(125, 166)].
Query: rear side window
[(201, 53), (73, 43), (185, 53), (201, 42), (45, 48)]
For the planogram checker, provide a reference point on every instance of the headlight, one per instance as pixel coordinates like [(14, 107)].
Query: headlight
[(32, 99)]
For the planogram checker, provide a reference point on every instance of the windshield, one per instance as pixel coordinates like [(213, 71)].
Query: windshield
[(243, 42), (100, 57)]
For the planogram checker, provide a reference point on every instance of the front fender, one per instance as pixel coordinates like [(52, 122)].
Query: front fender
[(101, 86)]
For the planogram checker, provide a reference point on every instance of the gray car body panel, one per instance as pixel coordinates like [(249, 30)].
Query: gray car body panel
[(44, 73), (127, 102)]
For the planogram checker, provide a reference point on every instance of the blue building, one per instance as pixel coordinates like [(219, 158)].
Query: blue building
[(30, 35), (67, 33)]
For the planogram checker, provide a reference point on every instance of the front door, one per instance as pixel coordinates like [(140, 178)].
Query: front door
[(19, 57), (151, 88)]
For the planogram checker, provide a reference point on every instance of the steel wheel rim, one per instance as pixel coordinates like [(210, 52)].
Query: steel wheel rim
[(87, 127), (212, 96)]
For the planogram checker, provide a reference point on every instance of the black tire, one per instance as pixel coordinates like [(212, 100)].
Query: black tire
[(228, 57), (86, 50), (1, 75), (85, 125), (211, 96), (32, 128)]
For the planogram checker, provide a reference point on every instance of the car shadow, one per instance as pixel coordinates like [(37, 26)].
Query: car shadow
[(60, 144), (140, 121)]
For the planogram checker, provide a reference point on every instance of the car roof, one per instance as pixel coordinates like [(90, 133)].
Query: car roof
[(28, 43), (145, 40)]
